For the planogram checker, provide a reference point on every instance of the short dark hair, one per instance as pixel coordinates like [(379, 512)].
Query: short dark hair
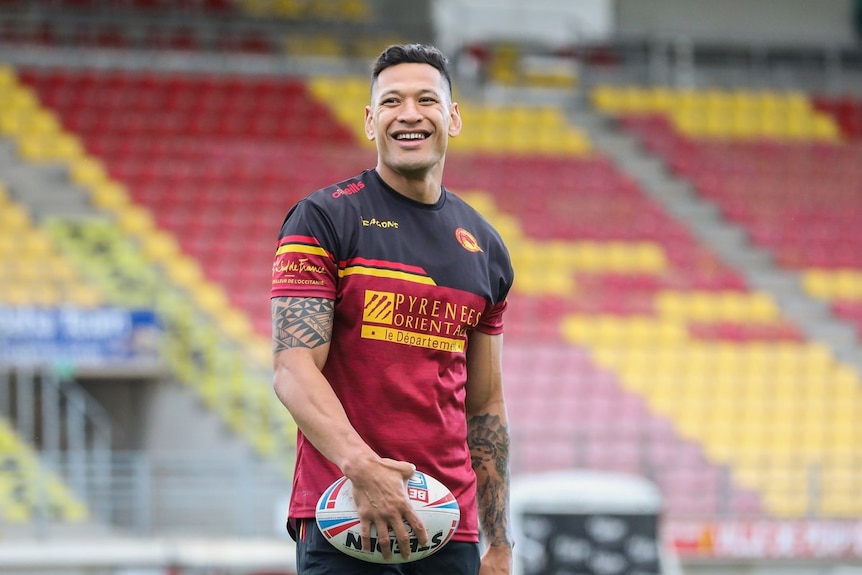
[(412, 54)]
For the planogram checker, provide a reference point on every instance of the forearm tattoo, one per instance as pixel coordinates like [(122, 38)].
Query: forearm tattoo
[(488, 439), (301, 322)]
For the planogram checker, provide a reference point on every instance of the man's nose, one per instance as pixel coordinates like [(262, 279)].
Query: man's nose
[(410, 112)]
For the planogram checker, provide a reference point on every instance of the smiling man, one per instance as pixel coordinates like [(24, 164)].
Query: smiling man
[(388, 295)]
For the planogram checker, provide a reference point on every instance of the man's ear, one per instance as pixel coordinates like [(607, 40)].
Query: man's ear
[(454, 120), (369, 124)]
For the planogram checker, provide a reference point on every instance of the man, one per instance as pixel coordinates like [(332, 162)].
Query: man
[(387, 303)]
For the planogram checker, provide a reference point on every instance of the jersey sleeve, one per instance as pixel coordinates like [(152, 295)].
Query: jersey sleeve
[(492, 320), (304, 263)]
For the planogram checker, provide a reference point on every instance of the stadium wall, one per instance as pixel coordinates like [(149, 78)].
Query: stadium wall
[(161, 416), (828, 22)]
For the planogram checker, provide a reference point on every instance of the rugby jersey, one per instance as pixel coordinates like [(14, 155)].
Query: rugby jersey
[(411, 282)]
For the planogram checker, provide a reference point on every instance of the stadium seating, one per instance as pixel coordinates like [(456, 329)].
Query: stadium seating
[(776, 406), (299, 28), (126, 260), (797, 198), (630, 345), (28, 491), (164, 139), (25, 279)]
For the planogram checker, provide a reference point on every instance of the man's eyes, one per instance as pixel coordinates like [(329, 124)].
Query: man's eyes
[(395, 101)]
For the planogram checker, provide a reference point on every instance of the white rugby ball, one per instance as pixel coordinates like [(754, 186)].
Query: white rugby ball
[(435, 505)]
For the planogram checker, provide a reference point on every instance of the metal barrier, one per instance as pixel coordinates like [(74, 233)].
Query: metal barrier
[(153, 495)]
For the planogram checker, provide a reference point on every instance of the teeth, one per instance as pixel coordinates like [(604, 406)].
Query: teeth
[(410, 137)]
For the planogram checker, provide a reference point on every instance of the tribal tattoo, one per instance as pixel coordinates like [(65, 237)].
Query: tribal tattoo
[(488, 439), (301, 322)]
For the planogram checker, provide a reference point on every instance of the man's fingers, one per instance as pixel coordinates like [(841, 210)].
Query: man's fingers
[(402, 535), (365, 533), (418, 527), (384, 541)]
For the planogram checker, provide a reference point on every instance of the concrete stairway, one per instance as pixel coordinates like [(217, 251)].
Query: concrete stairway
[(727, 240), (45, 189)]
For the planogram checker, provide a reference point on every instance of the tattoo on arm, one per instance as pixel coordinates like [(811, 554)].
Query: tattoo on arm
[(488, 439), (301, 322)]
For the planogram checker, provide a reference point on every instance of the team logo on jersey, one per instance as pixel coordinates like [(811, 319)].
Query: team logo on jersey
[(379, 306), (467, 240), (349, 189)]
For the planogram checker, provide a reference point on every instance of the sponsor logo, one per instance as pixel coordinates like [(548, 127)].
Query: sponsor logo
[(379, 307), (417, 321), (293, 269), (417, 494), (354, 541), (418, 482), (571, 549), (606, 529), (605, 562), (329, 501), (351, 188), (385, 224), (641, 549), (467, 240), (301, 265)]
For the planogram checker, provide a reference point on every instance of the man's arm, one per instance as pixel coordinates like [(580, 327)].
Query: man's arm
[(301, 336), (488, 439), (301, 332)]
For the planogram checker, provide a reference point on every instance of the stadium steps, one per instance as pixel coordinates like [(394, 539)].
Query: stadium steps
[(212, 348), (581, 414), (785, 409), (690, 320), (251, 29), (28, 491), (729, 241), (221, 375), (25, 280), (31, 133)]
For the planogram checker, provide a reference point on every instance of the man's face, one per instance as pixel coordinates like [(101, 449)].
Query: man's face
[(411, 118)]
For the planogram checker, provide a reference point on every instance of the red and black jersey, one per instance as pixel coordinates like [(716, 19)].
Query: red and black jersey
[(411, 282)]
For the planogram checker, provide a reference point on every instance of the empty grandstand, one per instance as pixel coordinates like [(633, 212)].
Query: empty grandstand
[(679, 185)]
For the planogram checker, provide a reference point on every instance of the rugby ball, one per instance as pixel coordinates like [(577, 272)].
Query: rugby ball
[(435, 505)]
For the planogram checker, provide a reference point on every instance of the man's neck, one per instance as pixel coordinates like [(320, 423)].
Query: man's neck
[(424, 187)]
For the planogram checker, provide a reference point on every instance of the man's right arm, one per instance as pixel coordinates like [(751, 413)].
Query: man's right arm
[(301, 336)]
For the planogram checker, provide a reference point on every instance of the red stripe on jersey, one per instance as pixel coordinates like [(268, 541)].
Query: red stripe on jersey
[(389, 265), (298, 240)]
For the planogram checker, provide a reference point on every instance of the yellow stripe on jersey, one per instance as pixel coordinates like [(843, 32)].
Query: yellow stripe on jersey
[(301, 249), (381, 273)]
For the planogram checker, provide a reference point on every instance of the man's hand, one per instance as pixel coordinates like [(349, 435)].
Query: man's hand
[(497, 560), (380, 492)]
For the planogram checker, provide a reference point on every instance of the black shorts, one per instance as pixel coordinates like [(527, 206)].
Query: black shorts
[(316, 556)]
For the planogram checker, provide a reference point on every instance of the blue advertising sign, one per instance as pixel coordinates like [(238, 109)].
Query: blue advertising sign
[(76, 336)]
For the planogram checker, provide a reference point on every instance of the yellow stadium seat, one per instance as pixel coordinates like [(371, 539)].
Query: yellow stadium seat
[(39, 147), (13, 219), (236, 324), (110, 196), (159, 246), (290, 9), (184, 271), (87, 172), (608, 99), (84, 296), (135, 220), (843, 503), (18, 100)]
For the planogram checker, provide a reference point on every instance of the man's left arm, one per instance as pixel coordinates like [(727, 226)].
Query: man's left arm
[(488, 439)]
